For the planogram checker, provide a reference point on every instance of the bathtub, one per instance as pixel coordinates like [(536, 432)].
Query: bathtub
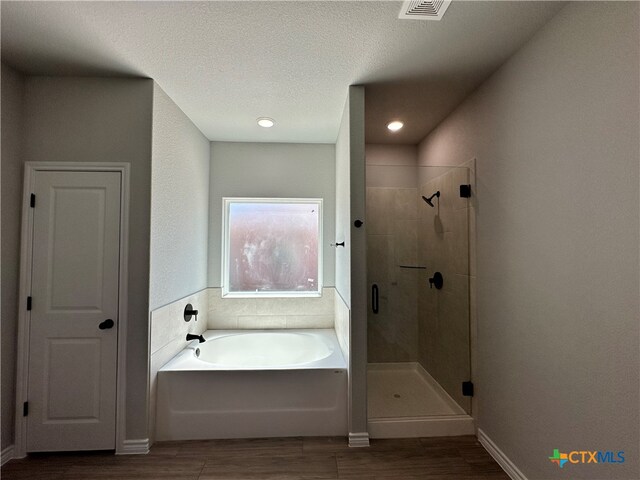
[(254, 383)]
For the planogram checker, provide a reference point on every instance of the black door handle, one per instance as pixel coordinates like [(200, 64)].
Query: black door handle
[(108, 323)]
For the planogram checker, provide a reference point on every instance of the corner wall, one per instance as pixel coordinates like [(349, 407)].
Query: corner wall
[(343, 208), (12, 173), (179, 204), (179, 235), (555, 133), (351, 261)]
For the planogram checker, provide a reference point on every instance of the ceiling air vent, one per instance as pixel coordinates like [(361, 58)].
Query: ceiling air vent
[(424, 9)]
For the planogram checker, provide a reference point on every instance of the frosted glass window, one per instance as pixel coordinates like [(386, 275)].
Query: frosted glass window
[(272, 247)]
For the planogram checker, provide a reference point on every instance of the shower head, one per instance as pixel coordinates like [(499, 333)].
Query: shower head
[(428, 200)]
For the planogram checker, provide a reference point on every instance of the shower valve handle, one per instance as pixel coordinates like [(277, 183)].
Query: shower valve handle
[(436, 280)]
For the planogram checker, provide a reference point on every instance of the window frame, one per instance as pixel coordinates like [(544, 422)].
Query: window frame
[(226, 203)]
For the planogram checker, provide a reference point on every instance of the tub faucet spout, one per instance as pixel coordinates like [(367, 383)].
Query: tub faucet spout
[(190, 337)]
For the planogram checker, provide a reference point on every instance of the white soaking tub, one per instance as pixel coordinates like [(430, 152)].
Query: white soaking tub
[(254, 383)]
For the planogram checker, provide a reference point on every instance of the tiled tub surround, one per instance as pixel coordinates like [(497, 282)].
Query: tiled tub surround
[(342, 325), (202, 400), (168, 332), (328, 311), (268, 313)]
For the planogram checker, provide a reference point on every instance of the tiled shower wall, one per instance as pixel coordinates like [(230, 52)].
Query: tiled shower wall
[(391, 249), (443, 315)]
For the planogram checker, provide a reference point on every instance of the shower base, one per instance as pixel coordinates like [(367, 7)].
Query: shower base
[(405, 401)]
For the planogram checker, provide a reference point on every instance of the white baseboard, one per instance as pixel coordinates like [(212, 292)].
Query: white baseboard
[(359, 439), (6, 455), (134, 447), (498, 455)]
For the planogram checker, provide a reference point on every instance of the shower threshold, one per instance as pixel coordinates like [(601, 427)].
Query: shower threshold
[(405, 401)]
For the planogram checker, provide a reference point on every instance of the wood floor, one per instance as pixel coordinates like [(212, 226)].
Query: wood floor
[(448, 458)]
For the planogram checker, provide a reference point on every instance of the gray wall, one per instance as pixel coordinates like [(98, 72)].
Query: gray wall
[(12, 98), (555, 133), (271, 170), (69, 119), (179, 204)]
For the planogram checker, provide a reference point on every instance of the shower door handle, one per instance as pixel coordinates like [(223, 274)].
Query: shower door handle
[(374, 298)]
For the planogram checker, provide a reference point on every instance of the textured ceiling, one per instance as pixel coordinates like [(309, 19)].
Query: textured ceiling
[(227, 63)]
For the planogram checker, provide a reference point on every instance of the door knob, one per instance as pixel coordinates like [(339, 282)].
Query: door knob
[(108, 323)]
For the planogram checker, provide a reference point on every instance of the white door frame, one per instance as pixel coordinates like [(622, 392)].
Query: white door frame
[(24, 316)]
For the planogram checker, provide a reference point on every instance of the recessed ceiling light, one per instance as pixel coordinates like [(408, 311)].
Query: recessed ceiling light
[(266, 122), (395, 125)]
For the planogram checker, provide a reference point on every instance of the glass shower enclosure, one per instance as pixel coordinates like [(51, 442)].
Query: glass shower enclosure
[(418, 273)]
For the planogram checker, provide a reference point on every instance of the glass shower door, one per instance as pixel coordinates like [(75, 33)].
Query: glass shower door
[(444, 313), (418, 334)]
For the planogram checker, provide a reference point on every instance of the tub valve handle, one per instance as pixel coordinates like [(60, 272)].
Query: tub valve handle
[(189, 312), (200, 338)]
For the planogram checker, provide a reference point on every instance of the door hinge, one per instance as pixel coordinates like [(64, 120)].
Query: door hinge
[(33, 200), (25, 409), (465, 191), (467, 389), (28, 303)]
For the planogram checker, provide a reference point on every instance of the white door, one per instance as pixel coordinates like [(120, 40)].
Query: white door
[(74, 311)]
